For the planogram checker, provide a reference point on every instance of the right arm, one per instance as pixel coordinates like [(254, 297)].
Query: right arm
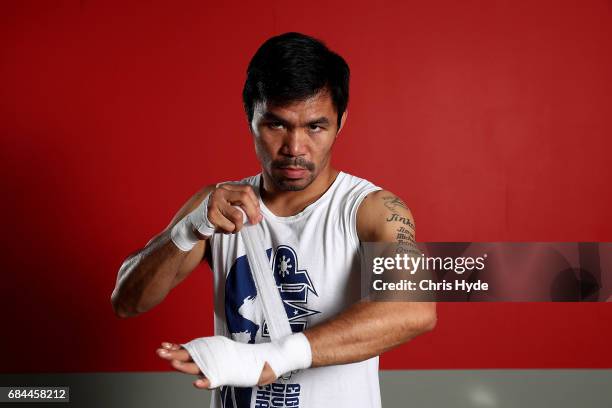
[(147, 275)]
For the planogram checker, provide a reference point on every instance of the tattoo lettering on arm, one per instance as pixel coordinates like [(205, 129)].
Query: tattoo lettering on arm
[(403, 220), (404, 227), (399, 234)]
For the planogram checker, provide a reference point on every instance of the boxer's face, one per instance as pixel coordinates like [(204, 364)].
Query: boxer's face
[(293, 142)]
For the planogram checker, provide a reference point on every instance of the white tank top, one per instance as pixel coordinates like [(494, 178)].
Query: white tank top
[(315, 255)]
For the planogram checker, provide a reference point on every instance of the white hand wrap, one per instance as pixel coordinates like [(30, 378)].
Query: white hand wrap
[(228, 362), (183, 235)]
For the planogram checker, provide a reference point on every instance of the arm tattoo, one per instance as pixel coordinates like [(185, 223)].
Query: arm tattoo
[(403, 220), (404, 232), (392, 202)]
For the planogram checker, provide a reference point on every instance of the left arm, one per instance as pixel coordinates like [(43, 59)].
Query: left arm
[(366, 328)]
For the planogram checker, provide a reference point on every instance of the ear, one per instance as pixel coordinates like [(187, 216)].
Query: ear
[(342, 121)]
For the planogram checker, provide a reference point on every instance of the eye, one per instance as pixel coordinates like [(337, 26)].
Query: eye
[(315, 128), (275, 125)]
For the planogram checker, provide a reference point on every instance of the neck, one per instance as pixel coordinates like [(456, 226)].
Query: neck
[(286, 203)]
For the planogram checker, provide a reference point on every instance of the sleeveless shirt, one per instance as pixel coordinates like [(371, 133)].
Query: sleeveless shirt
[(315, 259)]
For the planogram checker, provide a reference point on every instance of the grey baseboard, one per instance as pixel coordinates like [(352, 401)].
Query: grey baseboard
[(405, 388)]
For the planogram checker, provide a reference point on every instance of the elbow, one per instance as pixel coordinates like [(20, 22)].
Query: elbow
[(429, 323), (118, 309), (123, 310), (418, 324), (121, 314), (429, 318), (425, 321)]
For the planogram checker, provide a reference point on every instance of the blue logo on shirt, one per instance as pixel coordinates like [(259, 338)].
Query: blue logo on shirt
[(243, 312)]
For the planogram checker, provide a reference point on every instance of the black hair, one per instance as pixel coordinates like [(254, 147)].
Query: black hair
[(293, 67)]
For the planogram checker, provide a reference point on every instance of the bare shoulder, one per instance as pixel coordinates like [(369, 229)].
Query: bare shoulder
[(382, 216)]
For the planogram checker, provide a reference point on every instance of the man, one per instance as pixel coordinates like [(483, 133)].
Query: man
[(313, 218)]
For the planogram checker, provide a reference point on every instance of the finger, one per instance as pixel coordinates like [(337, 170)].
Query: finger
[(170, 346), (181, 355), (249, 193), (216, 216), (252, 210), (267, 375), (245, 197), (255, 199), (187, 368), (233, 186), (234, 216), (202, 383)]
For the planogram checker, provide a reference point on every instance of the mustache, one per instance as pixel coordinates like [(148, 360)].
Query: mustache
[(294, 162)]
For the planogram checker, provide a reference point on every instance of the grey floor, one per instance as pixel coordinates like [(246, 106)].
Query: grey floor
[(419, 388)]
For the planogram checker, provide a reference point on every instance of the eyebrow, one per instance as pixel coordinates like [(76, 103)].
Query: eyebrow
[(269, 116), (319, 121)]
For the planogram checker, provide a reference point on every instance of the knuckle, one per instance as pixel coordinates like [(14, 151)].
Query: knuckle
[(213, 196), (221, 192), (213, 208), (236, 217)]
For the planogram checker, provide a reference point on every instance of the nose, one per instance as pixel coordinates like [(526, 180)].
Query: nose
[(294, 143)]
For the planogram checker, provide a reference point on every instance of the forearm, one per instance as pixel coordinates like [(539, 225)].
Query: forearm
[(146, 277), (367, 329)]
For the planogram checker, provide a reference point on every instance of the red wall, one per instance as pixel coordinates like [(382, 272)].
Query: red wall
[(492, 119)]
